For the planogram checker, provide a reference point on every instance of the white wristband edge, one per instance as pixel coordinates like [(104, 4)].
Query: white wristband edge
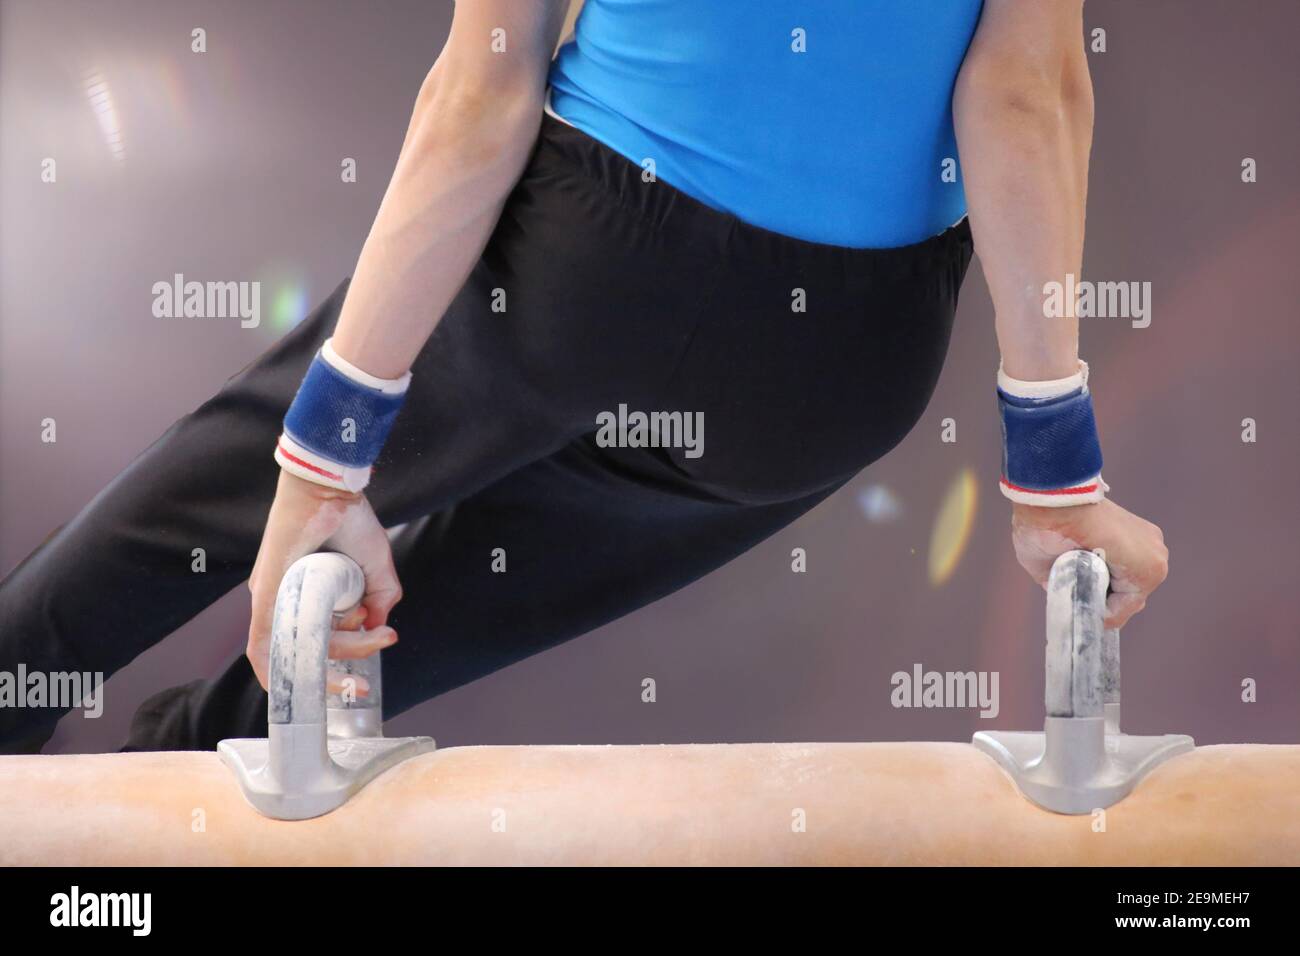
[(1095, 493), (308, 465), (389, 386), (1052, 388)]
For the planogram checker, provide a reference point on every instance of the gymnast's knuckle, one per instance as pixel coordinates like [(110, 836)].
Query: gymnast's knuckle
[(1160, 566)]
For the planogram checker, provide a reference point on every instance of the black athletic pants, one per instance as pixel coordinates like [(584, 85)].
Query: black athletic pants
[(597, 290)]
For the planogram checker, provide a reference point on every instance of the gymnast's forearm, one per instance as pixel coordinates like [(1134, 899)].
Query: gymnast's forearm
[(1023, 115), (470, 135), (461, 158)]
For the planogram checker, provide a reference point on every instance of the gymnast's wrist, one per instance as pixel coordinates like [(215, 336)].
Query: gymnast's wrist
[(291, 485), (338, 422), (1051, 453)]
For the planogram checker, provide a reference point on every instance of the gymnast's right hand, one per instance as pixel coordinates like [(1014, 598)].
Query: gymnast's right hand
[(304, 517)]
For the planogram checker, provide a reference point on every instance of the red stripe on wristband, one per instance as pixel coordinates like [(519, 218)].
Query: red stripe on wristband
[(306, 464), (1078, 490)]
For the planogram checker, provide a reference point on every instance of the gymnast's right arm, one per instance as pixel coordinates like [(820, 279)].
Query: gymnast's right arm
[(1023, 111), (472, 129)]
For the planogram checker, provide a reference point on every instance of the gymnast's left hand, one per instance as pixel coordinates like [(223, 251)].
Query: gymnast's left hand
[(305, 517)]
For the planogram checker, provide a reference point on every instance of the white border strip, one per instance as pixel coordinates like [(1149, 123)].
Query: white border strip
[(1024, 496), (1053, 388), (389, 386), (330, 473)]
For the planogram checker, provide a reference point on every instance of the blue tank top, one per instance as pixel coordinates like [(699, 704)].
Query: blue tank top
[(829, 121)]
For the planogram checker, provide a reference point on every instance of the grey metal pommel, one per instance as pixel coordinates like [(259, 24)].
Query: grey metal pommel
[(1081, 761), (321, 750)]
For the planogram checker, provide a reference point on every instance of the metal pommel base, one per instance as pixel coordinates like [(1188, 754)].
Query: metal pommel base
[(1074, 766), (319, 782)]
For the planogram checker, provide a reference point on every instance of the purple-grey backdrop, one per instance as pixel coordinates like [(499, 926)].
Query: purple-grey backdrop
[(226, 165)]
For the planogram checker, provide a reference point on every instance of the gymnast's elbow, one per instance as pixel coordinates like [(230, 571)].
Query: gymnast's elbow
[(1026, 93)]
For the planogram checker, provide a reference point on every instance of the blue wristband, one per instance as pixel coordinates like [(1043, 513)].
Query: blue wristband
[(338, 422), (1051, 455)]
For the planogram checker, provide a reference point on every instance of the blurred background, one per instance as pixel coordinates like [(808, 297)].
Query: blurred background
[(226, 165)]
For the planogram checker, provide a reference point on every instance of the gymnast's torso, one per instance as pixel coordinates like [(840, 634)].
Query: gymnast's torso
[(830, 122)]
